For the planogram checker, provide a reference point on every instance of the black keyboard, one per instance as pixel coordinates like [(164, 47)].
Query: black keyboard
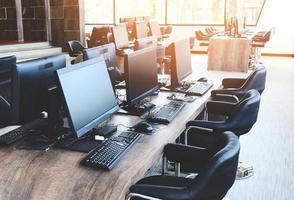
[(166, 113), (13, 136), (199, 88), (19, 133), (111, 151)]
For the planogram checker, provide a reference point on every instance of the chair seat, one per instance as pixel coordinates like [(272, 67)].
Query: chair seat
[(258, 44)]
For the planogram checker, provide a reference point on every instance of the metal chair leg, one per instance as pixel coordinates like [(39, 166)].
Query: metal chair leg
[(177, 169)]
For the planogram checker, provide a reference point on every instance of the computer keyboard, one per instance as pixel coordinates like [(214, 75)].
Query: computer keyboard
[(199, 88), (19, 133), (107, 155), (13, 136), (166, 113)]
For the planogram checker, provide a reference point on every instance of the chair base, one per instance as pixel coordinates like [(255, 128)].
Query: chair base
[(244, 171)]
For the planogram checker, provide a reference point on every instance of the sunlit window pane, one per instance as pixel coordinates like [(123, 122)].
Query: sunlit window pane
[(195, 11), (98, 11), (137, 8), (249, 8)]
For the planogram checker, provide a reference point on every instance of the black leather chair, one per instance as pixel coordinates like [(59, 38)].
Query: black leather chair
[(99, 36), (239, 87), (215, 161), (74, 48), (240, 117), (6, 64), (4, 112)]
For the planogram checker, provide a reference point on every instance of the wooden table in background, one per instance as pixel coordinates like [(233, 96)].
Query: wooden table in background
[(229, 53)]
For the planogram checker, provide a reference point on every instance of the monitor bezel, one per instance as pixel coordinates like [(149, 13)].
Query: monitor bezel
[(102, 118), (152, 90)]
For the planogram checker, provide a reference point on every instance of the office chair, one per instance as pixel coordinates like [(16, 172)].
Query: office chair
[(4, 112), (239, 87), (258, 41), (216, 165), (99, 36), (6, 64), (74, 48), (240, 118), (200, 36)]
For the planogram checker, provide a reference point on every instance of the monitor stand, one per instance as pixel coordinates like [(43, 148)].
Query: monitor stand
[(87, 142), (135, 109)]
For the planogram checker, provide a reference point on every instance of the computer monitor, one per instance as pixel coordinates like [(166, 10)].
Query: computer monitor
[(109, 54), (120, 35), (141, 29), (33, 83), (88, 95), (181, 65), (141, 74)]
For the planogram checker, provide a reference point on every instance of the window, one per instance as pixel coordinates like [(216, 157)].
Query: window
[(195, 11), (137, 8), (251, 9), (99, 11)]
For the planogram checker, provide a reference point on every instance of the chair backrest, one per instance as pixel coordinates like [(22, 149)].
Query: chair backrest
[(199, 35), (4, 112), (120, 36), (99, 36), (155, 28), (218, 175), (109, 53), (6, 64), (74, 48), (145, 42), (245, 114), (141, 29), (256, 80)]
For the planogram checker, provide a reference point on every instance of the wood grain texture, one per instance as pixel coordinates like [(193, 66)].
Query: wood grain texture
[(229, 54)]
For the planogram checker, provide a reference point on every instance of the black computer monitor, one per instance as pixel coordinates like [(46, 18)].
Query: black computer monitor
[(88, 95), (109, 54), (141, 74), (181, 66), (32, 84)]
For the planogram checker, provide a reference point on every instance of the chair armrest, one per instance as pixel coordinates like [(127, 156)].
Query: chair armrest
[(234, 92), (160, 192), (233, 82), (212, 125), (225, 98), (219, 107), (185, 154)]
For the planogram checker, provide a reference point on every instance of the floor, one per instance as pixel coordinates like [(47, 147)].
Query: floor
[(269, 146)]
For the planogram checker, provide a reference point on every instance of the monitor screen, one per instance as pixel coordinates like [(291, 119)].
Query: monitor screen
[(141, 74), (32, 81), (181, 61), (88, 94)]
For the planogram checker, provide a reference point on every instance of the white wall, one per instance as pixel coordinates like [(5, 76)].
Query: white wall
[(276, 13), (279, 14)]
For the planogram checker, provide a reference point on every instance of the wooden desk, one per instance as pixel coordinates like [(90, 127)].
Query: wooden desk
[(57, 174), (229, 54)]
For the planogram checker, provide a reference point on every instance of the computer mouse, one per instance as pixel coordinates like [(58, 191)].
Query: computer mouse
[(143, 127), (202, 79)]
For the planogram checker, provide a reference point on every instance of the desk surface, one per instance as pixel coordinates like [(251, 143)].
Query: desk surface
[(56, 174)]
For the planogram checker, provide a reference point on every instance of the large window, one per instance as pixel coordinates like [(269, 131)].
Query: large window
[(183, 12), (137, 8), (195, 11), (99, 11), (251, 9)]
